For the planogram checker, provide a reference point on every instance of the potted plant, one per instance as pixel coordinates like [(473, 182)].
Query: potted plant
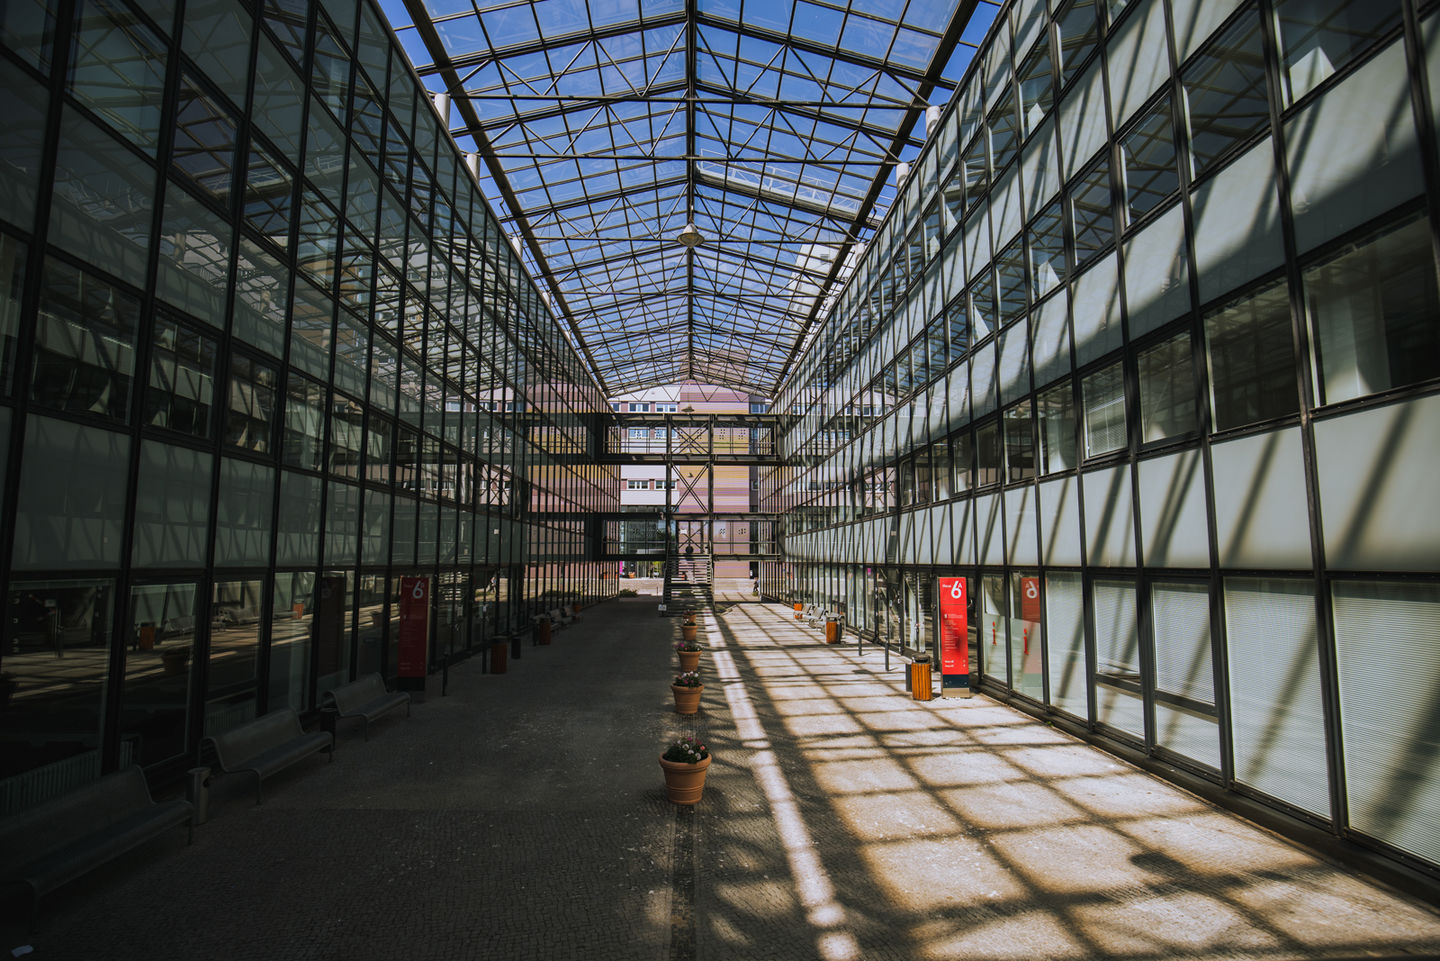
[(685, 762), (689, 619), (687, 631), (176, 660), (687, 688), (689, 652)]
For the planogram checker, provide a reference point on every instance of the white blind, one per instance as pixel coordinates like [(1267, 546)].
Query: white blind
[(1275, 707), (1387, 638), (1065, 633)]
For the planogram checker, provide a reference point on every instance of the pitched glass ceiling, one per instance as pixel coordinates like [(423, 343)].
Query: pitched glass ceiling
[(604, 128)]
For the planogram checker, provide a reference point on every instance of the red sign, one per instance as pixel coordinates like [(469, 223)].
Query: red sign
[(414, 640), (1030, 599), (954, 639)]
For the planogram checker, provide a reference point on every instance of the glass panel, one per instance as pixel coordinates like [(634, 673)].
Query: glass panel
[(298, 541), (1004, 131), (1019, 443), (290, 632), (1372, 307), (12, 278), (1316, 39), (181, 394), (1026, 638), (1387, 639), (204, 142), (1251, 355), (243, 517), (1047, 251), (23, 143), (1104, 398), (331, 630), (119, 71), (71, 506), (250, 417), (1186, 721), (1167, 390), (994, 628), (155, 706), (1065, 633), (1276, 711), (1148, 152), (989, 461), (1225, 93), (1091, 213), (217, 37), (1119, 696), (235, 622), (1037, 91), (172, 506), (1056, 423), (50, 741), (262, 286), (101, 208), (304, 423), (1079, 31)]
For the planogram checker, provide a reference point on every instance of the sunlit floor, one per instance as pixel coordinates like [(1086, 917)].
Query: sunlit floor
[(521, 816)]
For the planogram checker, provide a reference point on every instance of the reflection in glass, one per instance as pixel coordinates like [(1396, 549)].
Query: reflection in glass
[(1104, 397), (1251, 356), (1118, 691), (1148, 153), (235, 622), (1316, 39), (1225, 93), (12, 275), (118, 71), (292, 614), (1373, 306), (181, 393), (994, 629), (158, 669), (1055, 420), (1019, 443), (53, 662), (1167, 390), (1186, 720), (1065, 634)]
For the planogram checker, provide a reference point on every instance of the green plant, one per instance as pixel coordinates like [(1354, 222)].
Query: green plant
[(688, 679), (627, 592), (687, 645), (687, 750)]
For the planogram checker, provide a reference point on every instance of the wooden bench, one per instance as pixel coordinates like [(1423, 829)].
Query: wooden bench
[(63, 838), (559, 617), (268, 744), (365, 698)]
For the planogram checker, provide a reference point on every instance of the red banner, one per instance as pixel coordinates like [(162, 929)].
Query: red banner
[(1030, 599), (954, 639), (414, 640)]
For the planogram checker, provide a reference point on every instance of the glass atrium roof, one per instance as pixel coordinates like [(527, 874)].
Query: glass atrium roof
[(773, 126)]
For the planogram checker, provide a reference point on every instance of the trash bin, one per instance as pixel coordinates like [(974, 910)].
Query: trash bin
[(499, 655), (198, 794), (832, 630), (799, 609), (920, 684), (542, 631)]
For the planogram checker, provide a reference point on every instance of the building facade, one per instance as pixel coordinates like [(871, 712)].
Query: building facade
[(1147, 352), (265, 352)]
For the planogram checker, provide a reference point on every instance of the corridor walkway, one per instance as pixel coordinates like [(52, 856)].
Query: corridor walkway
[(521, 816)]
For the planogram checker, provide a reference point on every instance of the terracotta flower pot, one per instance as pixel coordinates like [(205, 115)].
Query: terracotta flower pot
[(689, 660), (689, 619), (687, 699), (687, 631), (684, 783)]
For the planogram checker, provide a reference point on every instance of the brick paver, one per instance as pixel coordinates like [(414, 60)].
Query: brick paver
[(522, 816)]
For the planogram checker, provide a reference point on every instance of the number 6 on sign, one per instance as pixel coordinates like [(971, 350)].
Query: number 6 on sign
[(418, 592)]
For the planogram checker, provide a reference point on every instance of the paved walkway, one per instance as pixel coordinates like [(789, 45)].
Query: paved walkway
[(522, 817)]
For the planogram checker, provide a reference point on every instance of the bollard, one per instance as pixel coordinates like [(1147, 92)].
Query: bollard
[(198, 794), (920, 684), (515, 645)]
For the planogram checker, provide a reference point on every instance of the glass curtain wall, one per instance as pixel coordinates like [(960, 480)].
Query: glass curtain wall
[(1174, 349), (263, 350)]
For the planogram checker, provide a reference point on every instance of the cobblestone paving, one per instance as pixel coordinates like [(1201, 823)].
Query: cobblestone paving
[(522, 816)]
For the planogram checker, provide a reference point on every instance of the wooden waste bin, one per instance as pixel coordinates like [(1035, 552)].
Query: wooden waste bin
[(920, 685)]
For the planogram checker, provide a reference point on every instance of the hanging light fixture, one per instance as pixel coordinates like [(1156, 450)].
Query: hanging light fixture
[(690, 236)]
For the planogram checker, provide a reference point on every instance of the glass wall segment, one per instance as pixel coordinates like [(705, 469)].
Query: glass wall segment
[(1206, 554)]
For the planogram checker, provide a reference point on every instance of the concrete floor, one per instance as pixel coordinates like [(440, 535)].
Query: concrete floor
[(522, 816)]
